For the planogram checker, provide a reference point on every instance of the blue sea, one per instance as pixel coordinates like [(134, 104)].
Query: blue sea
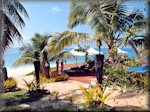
[(13, 54)]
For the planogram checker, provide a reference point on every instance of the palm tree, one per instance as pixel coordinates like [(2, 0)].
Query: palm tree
[(60, 40), (10, 11), (38, 42), (108, 18), (137, 37)]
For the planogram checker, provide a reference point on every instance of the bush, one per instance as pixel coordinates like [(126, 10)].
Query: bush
[(94, 96), (44, 79), (131, 63), (61, 77), (143, 82), (55, 78), (32, 86), (10, 83), (118, 77)]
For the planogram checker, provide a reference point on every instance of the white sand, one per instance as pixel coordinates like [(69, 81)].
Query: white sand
[(20, 71)]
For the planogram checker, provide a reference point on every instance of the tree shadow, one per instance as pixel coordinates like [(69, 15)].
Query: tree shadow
[(21, 99), (129, 108), (126, 95)]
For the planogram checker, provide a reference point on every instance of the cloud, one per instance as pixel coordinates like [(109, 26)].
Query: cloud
[(54, 9)]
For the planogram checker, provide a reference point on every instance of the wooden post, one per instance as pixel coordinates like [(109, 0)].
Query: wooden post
[(57, 66), (62, 66), (99, 67), (37, 69)]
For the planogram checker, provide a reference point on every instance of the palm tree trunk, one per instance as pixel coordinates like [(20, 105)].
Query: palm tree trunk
[(4, 70), (135, 50), (62, 66), (111, 55), (45, 70), (1, 55)]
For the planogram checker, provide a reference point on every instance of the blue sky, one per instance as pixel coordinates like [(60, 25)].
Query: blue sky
[(48, 17)]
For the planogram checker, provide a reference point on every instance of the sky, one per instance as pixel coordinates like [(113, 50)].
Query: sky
[(48, 17)]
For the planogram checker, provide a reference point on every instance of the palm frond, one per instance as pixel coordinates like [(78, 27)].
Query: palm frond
[(24, 60), (68, 38), (11, 32)]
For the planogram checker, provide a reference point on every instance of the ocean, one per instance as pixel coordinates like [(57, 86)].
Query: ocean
[(13, 54)]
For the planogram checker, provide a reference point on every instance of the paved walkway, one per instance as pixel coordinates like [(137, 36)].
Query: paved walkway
[(83, 79), (127, 100)]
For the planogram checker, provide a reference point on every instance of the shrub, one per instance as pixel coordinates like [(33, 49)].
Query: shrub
[(32, 86), (10, 83), (118, 77), (143, 81), (94, 96), (55, 78), (44, 79), (132, 62), (61, 77)]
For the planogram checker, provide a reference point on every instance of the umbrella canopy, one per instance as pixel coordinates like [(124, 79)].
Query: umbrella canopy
[(121, 51), (76, 53), (92, 51)]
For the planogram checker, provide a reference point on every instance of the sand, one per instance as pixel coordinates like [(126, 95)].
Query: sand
[(126, 100), (23, 70), (123, 101)]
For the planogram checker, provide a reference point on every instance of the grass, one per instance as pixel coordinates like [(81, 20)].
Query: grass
[(17, 95), (14, 109), (31, 73)]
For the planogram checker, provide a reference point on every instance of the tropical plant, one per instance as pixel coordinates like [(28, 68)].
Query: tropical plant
[(66, 38), (144, 82), (107, 18), (88, 95), (70, 97), (38, 42), (44, 79), (118, 77), (135, 40), (56, 93), (131, 62), (11, 12), (54, 78), (94, 96), (32, 86), (10, 83)]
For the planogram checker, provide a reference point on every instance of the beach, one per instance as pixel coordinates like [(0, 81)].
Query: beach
[(21, 71)]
